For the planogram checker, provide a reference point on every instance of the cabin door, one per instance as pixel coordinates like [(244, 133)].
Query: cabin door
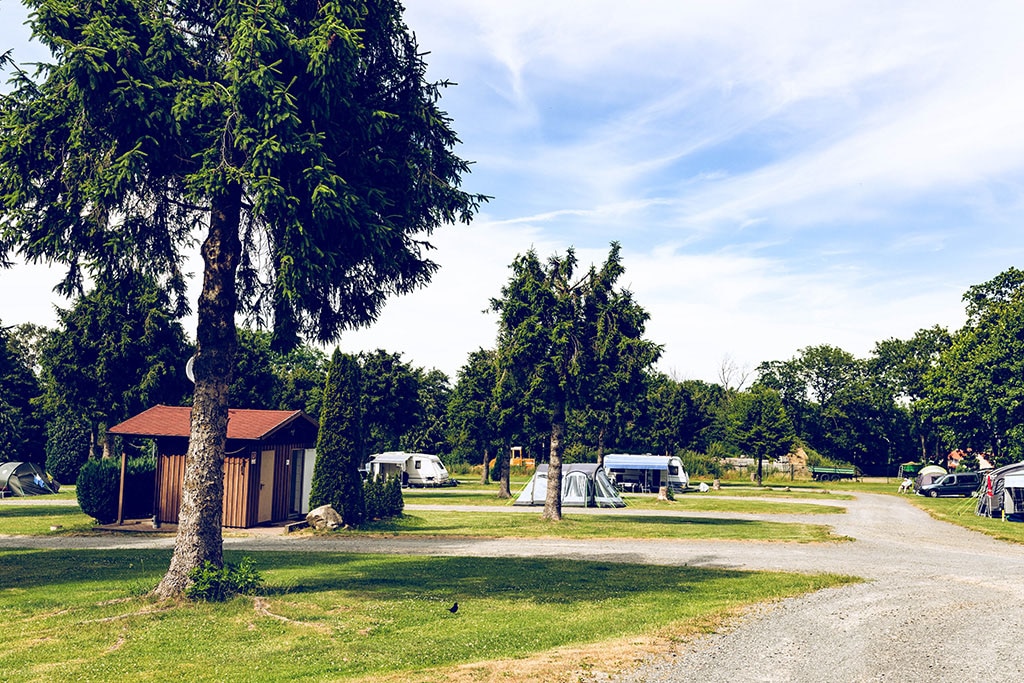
[(266, 508)]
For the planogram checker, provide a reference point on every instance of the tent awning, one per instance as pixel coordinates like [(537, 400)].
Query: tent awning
[(617, 461), (390, 458)]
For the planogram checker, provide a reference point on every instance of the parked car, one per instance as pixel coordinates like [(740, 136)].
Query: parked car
[(956, 484)]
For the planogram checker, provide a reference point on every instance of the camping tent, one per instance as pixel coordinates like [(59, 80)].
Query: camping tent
[(25, 479), (583, 485), (1002, 492), (928, 475)]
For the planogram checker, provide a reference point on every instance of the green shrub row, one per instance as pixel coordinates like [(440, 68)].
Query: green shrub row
[(98, 483)]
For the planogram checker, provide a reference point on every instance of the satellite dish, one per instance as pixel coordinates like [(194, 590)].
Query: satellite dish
[(189, 372)]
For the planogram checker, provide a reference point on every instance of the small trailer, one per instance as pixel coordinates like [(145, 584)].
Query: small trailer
[(415, 469), (834, 473)]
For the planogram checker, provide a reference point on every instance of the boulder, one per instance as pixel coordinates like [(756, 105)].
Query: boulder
[(324, 517)]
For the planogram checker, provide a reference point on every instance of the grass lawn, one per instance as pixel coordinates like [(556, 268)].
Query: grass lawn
[(445, 523), (80, 616), (36, 520), (960, 511), (692, 500)]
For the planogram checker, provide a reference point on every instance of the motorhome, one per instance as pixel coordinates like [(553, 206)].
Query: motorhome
[(415, 469), (646, 473)]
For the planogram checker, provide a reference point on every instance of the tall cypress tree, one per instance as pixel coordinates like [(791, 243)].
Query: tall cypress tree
[(339, 447)]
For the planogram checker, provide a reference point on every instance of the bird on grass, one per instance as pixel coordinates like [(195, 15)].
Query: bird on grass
[(454, 608)]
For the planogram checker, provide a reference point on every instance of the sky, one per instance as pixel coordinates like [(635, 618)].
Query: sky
[(779, 174)]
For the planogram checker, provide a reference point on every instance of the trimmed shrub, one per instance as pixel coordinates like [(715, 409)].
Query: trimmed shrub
[(98, 482)]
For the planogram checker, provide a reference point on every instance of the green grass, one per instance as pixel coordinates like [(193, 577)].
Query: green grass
[(514, 525), (692, 500), (36, 520), (960, 511), (76, 615)]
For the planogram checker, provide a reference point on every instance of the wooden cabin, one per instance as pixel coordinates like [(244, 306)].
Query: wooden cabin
[(268, 464)]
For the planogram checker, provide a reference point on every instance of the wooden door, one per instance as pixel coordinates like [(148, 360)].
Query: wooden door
[(266, 508)]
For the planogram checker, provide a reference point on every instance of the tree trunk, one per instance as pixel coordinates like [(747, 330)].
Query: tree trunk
[(553, 500), (759, 470), (200, 517), (505, 469), (600, 446), (486, 476)]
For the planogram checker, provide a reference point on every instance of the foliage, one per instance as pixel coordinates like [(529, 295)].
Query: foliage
[(340, 451), (21, 430), (760, 425), (391, 403), (568, 341), (211, 583), (383, 497), (472, 410), (98, 483), (699, 464), (975, 389), (303, 140), (116, 351), (429, 434), (67, 446)]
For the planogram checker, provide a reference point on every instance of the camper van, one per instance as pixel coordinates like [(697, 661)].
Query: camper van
[(415, 469), (646, 473)]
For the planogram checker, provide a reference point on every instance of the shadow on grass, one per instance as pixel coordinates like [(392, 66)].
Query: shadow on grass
[(382, 577)]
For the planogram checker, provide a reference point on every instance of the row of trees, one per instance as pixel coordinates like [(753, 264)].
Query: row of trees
[(118, 351)]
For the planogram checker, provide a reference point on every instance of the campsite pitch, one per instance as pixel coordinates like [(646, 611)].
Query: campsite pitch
[(77, 615)]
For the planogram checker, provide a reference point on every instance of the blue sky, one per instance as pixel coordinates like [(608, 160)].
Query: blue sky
[(779, 174)]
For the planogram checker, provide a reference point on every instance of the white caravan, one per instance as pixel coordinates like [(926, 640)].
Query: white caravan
[(415, 469), (646, 472)]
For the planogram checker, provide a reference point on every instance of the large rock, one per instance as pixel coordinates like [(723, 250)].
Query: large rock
[(324, 517)]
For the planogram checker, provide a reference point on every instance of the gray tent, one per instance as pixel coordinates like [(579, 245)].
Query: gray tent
[(1002, 493), (25, 479), (583, 485)]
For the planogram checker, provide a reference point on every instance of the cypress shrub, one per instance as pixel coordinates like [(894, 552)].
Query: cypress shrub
[(339, 447), (393, 493)]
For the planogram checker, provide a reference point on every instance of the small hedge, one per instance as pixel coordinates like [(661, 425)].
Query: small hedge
[(383, 498), (98, 482)]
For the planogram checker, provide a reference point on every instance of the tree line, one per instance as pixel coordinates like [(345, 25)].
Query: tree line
[(117, 351)]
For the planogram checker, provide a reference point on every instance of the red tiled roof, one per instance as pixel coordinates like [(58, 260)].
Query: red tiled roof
[(249, 425)]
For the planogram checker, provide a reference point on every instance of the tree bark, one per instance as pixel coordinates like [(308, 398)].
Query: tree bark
[(553, 499), (200, 517), (505, 469), (485, 477)]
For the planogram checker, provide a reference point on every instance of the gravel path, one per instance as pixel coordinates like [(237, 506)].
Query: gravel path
[(941, 603)]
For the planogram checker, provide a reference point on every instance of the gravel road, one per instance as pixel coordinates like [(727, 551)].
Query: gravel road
[(940, 603)]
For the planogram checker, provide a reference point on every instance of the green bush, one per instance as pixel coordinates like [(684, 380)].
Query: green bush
[(98, 483), (211, 583), (383, 497), (700, 465), (67, 446)]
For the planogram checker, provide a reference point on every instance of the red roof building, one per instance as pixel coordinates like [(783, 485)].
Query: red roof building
[(268, 462)]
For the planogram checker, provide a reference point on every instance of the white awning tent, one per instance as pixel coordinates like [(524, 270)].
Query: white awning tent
[(583, 485), (392, 458), (1002, 493), (621, 461)]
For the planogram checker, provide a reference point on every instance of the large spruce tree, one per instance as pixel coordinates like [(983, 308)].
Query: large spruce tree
[(297, 140)]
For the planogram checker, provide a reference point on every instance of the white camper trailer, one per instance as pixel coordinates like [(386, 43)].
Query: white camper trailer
[(415, 469), (646, 472)]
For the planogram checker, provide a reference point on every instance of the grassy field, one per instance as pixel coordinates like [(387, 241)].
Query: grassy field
[(444, 523), (81, 616), (39, 520)]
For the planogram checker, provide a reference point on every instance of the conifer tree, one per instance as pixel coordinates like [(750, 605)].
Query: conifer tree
[(339, 446)]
